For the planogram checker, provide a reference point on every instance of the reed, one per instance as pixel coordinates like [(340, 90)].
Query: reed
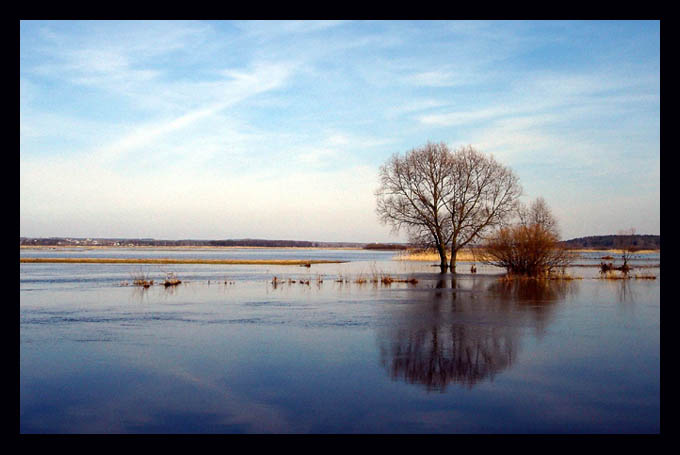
[(140, 277), (465, 255)]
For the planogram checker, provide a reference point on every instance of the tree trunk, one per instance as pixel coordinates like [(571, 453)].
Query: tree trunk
[(442, 257), (452, 266)]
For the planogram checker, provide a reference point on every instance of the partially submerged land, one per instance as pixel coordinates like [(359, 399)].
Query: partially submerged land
[(402, 252), (465, 255), (469, 255), (607, 270)]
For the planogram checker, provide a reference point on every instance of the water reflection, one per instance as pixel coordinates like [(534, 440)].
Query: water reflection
[(536, 294), (140, 294), (624, 292), (464, 333)]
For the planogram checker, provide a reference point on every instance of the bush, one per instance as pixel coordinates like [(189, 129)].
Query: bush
[(526, 250)]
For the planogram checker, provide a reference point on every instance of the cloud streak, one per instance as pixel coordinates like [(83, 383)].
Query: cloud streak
[(127, 126)]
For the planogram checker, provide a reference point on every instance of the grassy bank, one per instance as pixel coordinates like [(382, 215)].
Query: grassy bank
[(177, 261)]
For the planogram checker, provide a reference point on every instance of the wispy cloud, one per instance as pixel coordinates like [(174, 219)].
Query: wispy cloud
[(270, 29), (119, 119), (238, 86)]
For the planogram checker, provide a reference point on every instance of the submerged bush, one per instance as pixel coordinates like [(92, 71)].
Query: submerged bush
[(523, 250), (141, 278), (171, 279)]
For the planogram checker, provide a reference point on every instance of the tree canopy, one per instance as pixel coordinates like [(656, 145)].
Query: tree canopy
[(445, 199)]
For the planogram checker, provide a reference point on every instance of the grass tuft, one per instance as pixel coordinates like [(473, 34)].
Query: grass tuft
[(141, 278), (171, 280)]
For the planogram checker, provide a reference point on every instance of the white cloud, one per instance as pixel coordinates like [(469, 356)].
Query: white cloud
[(444, 78), (269, 29), (333, 149), (464, 117), (153, 120)]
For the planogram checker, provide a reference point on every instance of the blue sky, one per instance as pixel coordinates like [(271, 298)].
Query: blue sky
[(277, 129)]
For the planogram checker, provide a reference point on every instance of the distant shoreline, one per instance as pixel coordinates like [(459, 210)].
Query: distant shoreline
[(188, 247), (301, 262), (404, 253), (613, 251)]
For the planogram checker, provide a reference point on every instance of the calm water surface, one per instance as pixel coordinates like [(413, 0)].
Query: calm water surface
[(229, 352)]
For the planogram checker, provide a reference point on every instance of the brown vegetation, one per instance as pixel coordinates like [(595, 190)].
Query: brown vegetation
[(171, 280), (606, 268), (375, 278), (464, 255), (530, 247), (141, 278), (526, 250)]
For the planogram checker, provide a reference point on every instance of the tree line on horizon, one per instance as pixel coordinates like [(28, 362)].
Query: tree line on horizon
[(636, 241), (70, 241)]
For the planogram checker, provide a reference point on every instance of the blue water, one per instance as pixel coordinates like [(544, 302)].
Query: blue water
[(227, 351)]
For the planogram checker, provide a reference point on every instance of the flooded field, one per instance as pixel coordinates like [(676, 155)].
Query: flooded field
[(324, 350)]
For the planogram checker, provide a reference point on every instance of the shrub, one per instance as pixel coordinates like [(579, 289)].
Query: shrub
[(526, 250), (171, 280)]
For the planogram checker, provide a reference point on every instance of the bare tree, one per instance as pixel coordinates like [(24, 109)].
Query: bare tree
[(538, 213), (412, 195), (480, 194), (625, 241), (529, 247)]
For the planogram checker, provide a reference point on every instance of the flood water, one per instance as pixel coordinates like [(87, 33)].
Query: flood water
[(229, 351)]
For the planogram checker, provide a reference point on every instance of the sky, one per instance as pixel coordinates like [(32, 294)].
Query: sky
[(277, 129)]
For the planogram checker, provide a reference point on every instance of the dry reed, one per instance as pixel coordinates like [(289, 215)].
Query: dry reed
[(465, 255)]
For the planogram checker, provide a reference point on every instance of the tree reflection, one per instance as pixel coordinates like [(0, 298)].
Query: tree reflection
[(531, 291), (140, 293), (463, 335), (534, 294), (436, 356), (624, 292)]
